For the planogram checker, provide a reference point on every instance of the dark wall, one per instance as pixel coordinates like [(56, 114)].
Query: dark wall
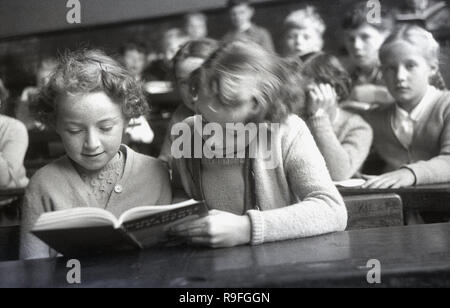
[(19, 56)]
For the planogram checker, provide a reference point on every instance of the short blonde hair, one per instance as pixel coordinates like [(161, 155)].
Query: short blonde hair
[(308, 17)]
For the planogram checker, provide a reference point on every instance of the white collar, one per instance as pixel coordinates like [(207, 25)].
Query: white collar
[(244, 29), (420, 109)]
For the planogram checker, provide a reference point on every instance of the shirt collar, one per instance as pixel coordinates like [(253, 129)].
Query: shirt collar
[(420, 109), (245, 29)]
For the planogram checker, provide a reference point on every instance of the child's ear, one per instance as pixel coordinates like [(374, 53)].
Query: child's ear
[(434, 67)]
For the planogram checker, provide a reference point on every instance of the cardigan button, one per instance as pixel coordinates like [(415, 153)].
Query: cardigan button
[(118, 189)]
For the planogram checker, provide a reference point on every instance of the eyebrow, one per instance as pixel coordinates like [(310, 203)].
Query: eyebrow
[(109, 120), (98, 122)]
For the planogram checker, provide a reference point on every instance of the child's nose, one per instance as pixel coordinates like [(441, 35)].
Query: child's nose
[(92, 141), (401, 73), (358, 43)]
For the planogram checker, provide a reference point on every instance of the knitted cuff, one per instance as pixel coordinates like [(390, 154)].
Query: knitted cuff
[(257, 225), (319, 121), (410, 168)]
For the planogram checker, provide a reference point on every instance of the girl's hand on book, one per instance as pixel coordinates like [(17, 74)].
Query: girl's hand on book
[(219, 229), (396, 179)]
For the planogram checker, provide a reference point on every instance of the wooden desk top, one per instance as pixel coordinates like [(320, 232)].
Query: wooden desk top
[(410, 256), (429, 198), (7, 197), (12, 192), (436, 188)]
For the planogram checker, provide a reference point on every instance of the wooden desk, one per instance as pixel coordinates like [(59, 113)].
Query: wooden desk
[(410, 256), (10, 195), (430, 198)]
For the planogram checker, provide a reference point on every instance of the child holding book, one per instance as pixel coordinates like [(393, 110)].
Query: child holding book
[(89, 100), (256, 194), (344, 138), (412, 136), (303, 31), (13, 147)]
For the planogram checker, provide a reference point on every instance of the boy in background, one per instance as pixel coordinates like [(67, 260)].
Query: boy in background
[(241, 14), (363, 40), (303, 33)]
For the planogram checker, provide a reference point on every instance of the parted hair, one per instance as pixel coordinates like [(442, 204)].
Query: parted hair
[(244, 64), (89, 71), (417, 36)]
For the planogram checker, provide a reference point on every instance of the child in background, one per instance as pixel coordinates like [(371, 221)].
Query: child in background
[(241, 14), (303, 30), (134, 55), (89, 100), (189, 58), (13, 147), (196, 26), (344, 138), (412, 136), (362, 40), (171, 42), (253, 200), (46, 67)]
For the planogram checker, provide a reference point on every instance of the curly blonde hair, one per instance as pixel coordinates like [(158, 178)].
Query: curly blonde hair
[(89, 71)]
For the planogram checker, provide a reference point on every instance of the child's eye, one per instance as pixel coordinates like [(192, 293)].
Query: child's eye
[(410, 65), (74, 131), (106, 128)]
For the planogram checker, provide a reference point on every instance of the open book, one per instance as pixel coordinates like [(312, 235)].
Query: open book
[(84, 230)]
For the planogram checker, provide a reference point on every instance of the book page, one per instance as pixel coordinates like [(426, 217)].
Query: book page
[(144, 211), (82, 217)]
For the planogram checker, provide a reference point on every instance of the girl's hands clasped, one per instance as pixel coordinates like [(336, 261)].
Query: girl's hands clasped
[(218, 230)]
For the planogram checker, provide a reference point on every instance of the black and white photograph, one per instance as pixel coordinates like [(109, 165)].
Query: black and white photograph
[(226, 150)]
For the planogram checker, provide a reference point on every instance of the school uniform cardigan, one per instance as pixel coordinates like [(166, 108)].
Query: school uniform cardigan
[(345, 143), (295, 197), (58, 186), (428, 156), (13, 147)]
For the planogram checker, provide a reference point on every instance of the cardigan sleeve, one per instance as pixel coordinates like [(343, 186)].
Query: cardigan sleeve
[(437, 169), (343, 158), (33, 206), (320, 208), (12, 153)]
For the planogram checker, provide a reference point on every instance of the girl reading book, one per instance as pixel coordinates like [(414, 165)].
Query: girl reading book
[(254, 200), (89, 100)]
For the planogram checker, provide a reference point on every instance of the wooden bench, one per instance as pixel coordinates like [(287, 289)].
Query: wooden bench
[(432, 201), (10, 201), (374, 211)]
